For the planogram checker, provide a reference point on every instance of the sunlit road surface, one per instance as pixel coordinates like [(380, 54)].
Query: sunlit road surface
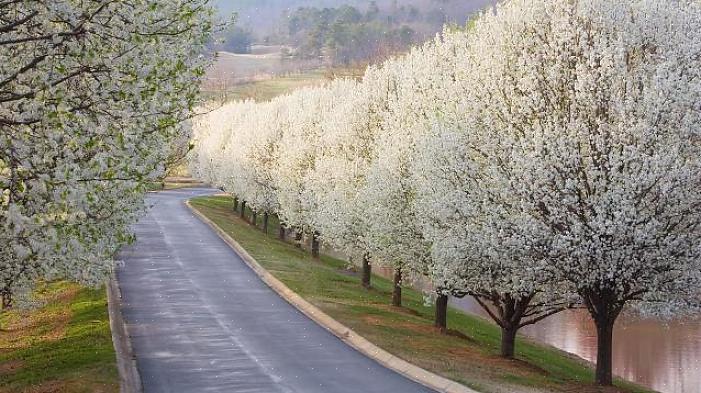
[(202, 321)]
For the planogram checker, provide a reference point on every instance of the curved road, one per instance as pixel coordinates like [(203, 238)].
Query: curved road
[(202, 321)]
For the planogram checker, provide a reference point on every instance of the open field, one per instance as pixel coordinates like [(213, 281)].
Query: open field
[(63, 346), (265, 62), (468, 354), (267, 89)]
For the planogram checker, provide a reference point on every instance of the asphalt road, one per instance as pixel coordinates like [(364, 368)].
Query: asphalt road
[(202, 321)]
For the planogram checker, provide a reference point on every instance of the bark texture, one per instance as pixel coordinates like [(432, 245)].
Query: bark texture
[(397, 290), (298, 238), (367, 272), (441, 320), (281, 232), (315, 244)]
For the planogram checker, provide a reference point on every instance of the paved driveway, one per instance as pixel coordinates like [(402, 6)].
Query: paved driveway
[(202, 321)]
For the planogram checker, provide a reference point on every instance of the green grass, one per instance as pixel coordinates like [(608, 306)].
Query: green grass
[(63, 346), (468, 354), (173, 184), (268, 89)]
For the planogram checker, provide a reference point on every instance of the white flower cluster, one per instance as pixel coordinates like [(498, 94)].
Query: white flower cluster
[(547, 155), (93, 95)]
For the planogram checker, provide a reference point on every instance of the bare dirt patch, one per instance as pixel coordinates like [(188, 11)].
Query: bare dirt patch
[(10, 367)]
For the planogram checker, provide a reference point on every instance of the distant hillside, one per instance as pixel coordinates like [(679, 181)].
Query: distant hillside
[(264, 16), (283, 37)]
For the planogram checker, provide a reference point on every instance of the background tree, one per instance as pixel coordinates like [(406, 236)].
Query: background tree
[(93, 99), (581, 136), (550, 151), (237, 40)]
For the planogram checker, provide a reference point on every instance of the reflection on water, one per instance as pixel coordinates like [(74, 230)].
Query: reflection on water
[(665, 357)]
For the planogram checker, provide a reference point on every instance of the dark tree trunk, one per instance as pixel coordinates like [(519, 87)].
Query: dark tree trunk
[(281, 233), (243, 210), (397, 290), (367, 272), (604, 354), (6, 300), (254, 218), (5, 303), (441, 321), (315, 244), (298, 238), (265, 222), (605, 307), (508, 341), (509, 317), (512, 312), (236, 204)]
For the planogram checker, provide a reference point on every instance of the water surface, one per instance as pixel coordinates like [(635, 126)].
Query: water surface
[(663, 356)]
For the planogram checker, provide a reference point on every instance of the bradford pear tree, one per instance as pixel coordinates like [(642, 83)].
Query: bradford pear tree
[(578, 156), (93, 98), (549, 152)]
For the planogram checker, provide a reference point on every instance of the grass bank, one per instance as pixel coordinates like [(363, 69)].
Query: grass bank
[(64, 345), (468, 354)]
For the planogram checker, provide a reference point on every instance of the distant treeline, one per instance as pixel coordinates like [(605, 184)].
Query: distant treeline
[(346, 34), (236, 40), (342, 32)]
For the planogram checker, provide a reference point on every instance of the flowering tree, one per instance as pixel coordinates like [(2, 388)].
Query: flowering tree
[(420, 90), (93, 96), (210, 133), (578, 156), (297, 156), (252, 152), (342, 151), (514, 289), (340, 174), (550, 154)]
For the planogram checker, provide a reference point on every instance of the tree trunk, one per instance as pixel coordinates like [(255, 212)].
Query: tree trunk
[(236, 204), (281, 233), (315, 244), (298, 238), (397, 290), (604, 307), (367, 272), (6, 300), (508, 341), (5, 304), (509, 317), (265, 222), (254, 218), (604, 354), (243, 210), (441, 321)]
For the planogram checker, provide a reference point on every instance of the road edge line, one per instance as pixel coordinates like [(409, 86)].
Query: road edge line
[(129, 377), (346, 334)]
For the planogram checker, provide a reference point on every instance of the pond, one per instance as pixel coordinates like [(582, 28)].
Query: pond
[(663, 356)]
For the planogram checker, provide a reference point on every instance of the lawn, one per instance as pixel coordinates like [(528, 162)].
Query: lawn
[(62, 345), (265, 90), (467, 354), (174, 183)]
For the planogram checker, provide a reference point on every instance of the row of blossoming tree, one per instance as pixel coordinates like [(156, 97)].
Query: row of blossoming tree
[(547, 156), (93, 95)]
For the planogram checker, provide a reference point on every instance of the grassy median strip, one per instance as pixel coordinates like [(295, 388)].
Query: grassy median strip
[(63, 345), (468, 354)]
